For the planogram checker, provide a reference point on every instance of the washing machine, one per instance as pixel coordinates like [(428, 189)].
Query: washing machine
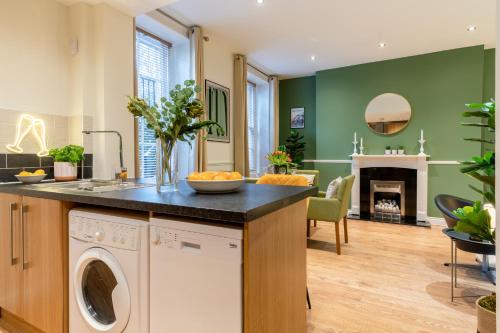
[(108, 271)]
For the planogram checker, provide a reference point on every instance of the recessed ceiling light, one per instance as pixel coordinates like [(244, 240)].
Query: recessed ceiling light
[(472, 28), (381, 45), (260, 2), (313, 57)]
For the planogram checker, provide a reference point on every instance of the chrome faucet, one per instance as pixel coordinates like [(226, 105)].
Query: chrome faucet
[(121, 143)]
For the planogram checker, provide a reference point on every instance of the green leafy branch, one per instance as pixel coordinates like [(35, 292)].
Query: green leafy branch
[(475, 221)]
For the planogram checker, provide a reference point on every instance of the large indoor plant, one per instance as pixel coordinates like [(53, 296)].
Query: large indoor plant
[(476, 220), (295, 147), (66, 161), (176, 119)]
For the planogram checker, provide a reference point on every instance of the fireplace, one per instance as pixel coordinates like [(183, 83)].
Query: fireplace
[(412, 169), (388, 194), (387, 200)]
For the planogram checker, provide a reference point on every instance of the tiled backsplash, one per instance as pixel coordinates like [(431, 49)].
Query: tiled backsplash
[(13, 164)]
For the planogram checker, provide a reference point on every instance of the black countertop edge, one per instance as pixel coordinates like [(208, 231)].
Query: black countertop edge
[(206, 213)]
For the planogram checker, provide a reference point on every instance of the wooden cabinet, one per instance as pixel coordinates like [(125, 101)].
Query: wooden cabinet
[(34, 284), (11, 289)]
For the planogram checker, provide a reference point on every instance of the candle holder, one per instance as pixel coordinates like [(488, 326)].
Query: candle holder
[(422, 141), (361, 149), (355, 152)]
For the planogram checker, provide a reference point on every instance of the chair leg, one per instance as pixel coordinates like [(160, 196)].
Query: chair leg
[(308, 299), (308, 228), (337, 236), (315, 223), (346, 237)]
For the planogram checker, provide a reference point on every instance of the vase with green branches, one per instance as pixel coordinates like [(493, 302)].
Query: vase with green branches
[(177, 119), (476, 220)]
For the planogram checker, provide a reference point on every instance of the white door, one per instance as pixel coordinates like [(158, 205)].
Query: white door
[(101, 291)]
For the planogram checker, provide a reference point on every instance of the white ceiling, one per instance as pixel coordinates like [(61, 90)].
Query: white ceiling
[(132, 7), (281, 35)]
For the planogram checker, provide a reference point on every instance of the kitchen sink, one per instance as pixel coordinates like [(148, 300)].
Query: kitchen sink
[(93, 186)]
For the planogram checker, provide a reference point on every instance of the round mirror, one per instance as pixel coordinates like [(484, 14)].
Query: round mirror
[(388, 113)]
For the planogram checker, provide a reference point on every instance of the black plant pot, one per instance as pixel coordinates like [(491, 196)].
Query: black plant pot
[(280, 169)]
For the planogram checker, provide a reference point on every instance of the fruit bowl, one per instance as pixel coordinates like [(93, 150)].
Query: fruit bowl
[(215, 186), (31, 179)]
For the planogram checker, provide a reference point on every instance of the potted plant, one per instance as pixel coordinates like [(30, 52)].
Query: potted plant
[(66, 161), (177, 119), (280, 160), (486, 314), (295, 147), (388, 150), (475, 221), (401, 150)]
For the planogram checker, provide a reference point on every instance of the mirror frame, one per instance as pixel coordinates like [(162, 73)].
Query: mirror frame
[(388, 134)]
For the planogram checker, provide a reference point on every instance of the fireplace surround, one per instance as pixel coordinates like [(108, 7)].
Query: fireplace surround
[(415, 188)]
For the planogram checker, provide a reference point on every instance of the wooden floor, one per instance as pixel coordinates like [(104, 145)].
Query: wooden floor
[(389, 278)]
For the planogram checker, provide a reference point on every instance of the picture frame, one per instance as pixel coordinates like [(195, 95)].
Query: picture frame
[(218, 104), (297, 118)]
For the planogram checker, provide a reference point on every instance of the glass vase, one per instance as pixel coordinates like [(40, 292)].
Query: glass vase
[(167, 165)]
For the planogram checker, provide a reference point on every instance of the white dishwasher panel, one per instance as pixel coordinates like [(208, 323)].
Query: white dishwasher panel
[(196, 278)]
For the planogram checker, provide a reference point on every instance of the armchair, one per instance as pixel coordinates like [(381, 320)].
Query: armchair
[(332, 210)]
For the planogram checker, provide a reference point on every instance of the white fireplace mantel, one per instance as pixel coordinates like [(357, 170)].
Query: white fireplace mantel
[(418, 162)]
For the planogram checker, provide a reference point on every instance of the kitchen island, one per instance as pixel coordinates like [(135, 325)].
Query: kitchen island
[(273, 220)]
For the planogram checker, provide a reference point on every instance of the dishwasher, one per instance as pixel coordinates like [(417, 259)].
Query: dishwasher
[(196, 282)]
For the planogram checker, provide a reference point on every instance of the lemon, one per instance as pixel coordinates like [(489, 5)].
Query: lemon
[(25, 173), (39, 172)]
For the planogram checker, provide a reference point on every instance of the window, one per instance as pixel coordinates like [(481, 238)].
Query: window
[(259, 120), (252, 128), (152, 84)]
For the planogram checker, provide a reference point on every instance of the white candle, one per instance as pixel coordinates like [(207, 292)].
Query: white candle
[(361, 141), (354, 136), (422, 134)]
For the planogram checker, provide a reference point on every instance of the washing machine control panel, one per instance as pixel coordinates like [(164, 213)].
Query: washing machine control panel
[(118, 235)]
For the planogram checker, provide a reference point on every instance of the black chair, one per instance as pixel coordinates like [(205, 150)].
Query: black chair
[(447, 204)]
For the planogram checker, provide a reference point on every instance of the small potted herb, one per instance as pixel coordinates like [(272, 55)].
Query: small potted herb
[(388, 150), (66, 161), (486, 314), (401, 150)]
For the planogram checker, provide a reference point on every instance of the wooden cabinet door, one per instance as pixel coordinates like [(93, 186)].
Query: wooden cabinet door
[(45, 246), (11, 285)]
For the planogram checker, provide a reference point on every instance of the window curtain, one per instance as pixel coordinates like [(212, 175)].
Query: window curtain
[(197, 73), (274, 108), (240, 115)]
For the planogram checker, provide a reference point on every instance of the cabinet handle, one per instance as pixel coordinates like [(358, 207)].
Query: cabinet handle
[(12, 207), (24, 263)]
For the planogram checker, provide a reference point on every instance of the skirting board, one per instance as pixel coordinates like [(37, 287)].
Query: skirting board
[(437, 221)]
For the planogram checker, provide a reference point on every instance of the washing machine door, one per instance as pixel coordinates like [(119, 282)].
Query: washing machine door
[(101, 291)]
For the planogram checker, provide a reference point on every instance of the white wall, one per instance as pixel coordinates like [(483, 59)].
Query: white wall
[(73, 67), (34, 57), (219, 69), (34, 69)]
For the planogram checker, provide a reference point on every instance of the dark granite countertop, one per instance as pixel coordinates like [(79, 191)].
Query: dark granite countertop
[(250, 202)]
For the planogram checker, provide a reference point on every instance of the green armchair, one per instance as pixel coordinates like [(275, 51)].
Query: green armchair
[(310, 172), (332, 210)]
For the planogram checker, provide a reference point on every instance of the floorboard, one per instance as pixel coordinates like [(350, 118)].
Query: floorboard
[(389, 279)]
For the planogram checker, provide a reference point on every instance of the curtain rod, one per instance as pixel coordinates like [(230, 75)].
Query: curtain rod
[(172, 18), (258, 70)]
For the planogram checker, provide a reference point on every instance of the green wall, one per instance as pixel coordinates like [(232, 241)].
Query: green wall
[(296, 93), (437, 85)]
